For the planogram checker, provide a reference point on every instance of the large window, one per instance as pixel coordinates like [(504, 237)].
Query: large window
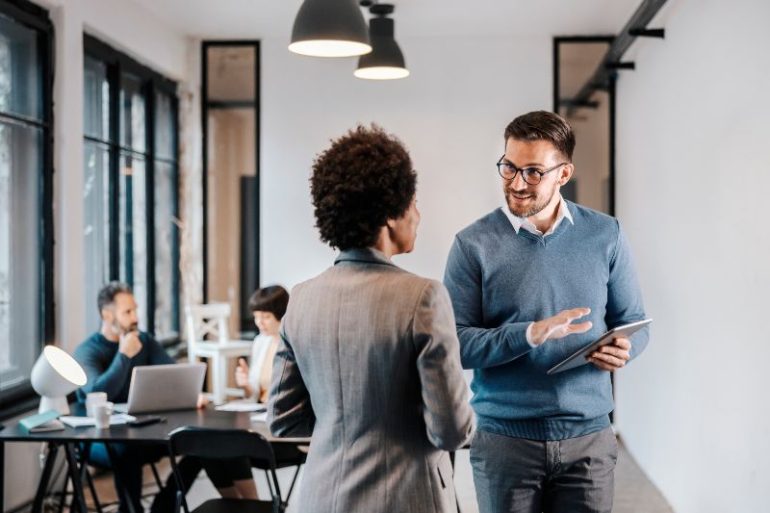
[(131, 198), (26, 263)]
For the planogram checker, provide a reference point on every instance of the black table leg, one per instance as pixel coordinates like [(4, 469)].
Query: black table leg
[(84, 474), (45, 477), (77, 485), (63, 498), (123, 494)]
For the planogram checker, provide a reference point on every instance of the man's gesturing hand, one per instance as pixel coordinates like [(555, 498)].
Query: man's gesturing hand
[(560, 325), (612, 356)]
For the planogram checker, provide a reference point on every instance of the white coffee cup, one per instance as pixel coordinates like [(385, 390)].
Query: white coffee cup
[(102, 414), (92, 400)]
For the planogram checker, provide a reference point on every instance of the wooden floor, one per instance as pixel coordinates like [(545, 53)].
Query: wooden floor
[(634, 493)]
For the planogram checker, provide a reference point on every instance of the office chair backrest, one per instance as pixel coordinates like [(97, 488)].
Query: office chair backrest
[(222, 444)]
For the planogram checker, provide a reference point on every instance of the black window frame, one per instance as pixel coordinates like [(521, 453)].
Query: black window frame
[(22, 398), (117, 63), (558, 102), (246, 324)]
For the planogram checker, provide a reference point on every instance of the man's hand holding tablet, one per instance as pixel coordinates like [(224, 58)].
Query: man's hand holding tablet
[(613, 356), (609, 352)]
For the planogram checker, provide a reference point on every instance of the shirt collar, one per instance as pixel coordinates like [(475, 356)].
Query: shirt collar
[(522, 222), (369, 255)]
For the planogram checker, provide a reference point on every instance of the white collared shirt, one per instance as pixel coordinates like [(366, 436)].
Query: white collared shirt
[(522, 222)]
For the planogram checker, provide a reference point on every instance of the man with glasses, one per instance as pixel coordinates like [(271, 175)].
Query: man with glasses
[(530, 284)]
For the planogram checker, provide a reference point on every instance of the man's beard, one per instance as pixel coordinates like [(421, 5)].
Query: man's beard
[(120, 330), (535, 209)]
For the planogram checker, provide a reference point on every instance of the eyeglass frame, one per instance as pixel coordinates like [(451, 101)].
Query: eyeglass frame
[(526, 171)]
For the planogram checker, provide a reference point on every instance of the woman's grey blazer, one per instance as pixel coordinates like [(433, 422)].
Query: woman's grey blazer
[(369, 366)]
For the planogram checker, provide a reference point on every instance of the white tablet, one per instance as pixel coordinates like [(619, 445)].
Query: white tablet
[(578, 358)]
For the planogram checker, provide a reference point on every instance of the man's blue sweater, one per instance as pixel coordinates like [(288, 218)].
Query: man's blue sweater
[(501, 281), (109, 370)]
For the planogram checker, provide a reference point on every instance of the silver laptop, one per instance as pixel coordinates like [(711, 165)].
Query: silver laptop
[(165, 387)]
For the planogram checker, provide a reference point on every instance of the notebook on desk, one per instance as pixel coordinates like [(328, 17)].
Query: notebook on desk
[(42, 422)]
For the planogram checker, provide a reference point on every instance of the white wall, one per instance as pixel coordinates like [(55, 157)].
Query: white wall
[(692, 190), (156, 46), (451, 113)]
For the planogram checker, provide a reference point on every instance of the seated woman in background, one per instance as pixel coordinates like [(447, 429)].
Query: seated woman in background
[(268, 305), (233, 478)]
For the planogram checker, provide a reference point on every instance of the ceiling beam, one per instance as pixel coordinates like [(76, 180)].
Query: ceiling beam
[(607, 69)]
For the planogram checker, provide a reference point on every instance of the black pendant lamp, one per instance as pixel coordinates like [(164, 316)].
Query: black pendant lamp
[(385, 62), (330, 28)]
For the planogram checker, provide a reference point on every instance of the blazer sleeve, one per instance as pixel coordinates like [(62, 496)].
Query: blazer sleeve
[(448, 416), (289, 411)]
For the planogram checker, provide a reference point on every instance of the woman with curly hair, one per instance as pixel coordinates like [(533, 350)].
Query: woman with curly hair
[(369, 363)]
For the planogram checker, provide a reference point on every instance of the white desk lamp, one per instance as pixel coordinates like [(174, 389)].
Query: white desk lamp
[(55, 375)]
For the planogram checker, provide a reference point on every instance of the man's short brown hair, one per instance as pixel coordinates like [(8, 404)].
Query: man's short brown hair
[(542, 125), (107, 294)]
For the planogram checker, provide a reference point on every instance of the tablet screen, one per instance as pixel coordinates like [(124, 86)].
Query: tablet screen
[(578, 358)]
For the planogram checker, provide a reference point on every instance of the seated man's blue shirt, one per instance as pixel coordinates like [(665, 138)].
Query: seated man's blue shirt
[(108, 370)]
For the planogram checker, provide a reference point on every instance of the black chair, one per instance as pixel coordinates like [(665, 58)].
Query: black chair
[(225, 444), (286, 455)]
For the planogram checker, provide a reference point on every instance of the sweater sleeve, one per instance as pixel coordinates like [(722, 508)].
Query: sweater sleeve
[(109, 380), (156, 355), (480, 347), (624, 297)]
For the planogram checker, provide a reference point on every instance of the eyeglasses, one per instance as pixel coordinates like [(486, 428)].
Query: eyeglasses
[(531, 175)]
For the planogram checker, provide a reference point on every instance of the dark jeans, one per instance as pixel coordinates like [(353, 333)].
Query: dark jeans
[(127, 471), (529, 476)]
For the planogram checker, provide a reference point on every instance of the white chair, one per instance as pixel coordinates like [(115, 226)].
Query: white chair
[(208, 337)]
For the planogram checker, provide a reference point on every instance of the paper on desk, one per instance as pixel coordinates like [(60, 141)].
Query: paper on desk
[(76, 422), (259, 417), (242, 406)]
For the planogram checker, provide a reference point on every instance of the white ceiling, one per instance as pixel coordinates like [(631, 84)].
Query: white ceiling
[(256, 19)]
